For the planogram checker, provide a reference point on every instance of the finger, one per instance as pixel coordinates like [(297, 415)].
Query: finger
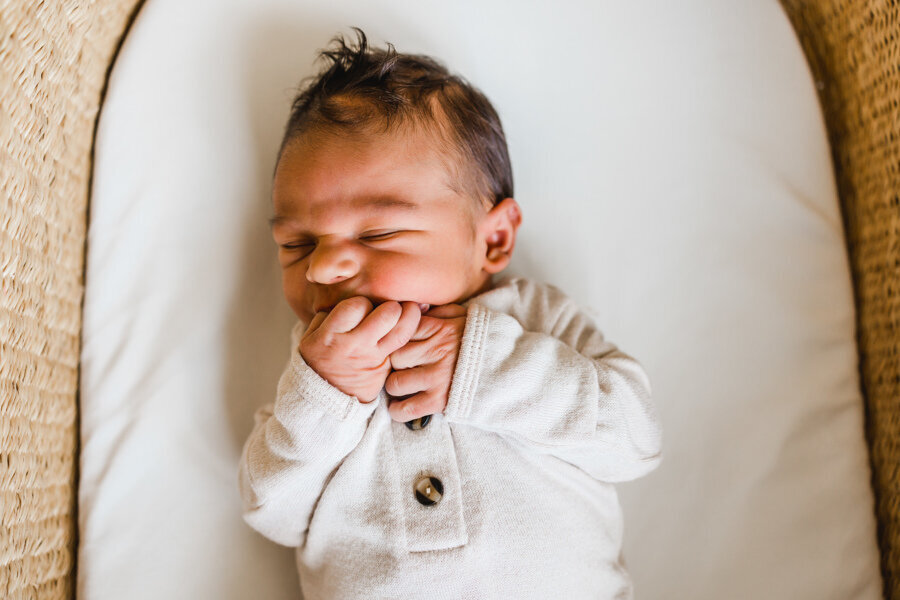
[(409, 381), (347, 314), (413, 354), (315, 322), (427, 327), (403, 330), (378, 322), (416, 407), (447, 311)]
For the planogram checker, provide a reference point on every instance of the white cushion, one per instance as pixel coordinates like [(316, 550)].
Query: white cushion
[(672, 166)]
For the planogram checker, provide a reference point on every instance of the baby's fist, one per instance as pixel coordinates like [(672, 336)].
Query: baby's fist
[(350, 346), (423, 368)]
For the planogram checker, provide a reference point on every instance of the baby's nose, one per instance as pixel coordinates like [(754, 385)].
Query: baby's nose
[(331, 263)]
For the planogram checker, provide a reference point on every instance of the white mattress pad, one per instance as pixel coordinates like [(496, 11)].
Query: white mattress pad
[(673, 170)]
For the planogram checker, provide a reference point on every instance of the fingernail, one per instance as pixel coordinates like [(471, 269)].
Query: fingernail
[(424, 307)]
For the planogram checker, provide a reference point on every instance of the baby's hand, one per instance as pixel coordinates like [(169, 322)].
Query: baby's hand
[(423, 368), (350, 346)]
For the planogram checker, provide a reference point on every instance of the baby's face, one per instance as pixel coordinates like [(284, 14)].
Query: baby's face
[(373, 217)]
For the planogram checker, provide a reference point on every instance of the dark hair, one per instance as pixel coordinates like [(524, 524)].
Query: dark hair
[(366, 90)]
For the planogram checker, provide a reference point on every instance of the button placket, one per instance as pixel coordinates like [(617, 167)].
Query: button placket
[(429, 474)]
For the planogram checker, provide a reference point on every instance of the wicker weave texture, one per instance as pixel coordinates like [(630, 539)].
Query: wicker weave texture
[(54, 57), (854, 52)]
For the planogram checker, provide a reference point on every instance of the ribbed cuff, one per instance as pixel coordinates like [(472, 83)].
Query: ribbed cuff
[(468, 363)]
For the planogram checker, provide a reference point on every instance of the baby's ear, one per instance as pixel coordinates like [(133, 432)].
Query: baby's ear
[(499, 230)]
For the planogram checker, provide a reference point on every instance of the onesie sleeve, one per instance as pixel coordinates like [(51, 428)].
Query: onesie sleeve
[(296, 444), (540, 372)]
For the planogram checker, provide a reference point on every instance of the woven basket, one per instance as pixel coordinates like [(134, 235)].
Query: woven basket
[(54, 62)]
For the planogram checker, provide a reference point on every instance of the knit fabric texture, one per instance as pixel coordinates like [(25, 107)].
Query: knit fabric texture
[(544, 415)]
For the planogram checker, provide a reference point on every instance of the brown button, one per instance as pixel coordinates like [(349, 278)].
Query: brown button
[(420, 423), (429, 490)]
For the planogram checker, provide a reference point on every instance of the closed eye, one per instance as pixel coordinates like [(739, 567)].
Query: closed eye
[(298, 246), (375, 236), (382, 235)]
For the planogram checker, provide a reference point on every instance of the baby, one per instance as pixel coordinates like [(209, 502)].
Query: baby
[(436, 433)]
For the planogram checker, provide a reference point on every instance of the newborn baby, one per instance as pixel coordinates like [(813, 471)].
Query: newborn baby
[(436, 433)]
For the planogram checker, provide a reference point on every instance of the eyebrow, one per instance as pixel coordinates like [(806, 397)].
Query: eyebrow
[(377, 202)]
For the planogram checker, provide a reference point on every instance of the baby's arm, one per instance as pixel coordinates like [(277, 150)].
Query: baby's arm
[(561, 389), (299, 440)]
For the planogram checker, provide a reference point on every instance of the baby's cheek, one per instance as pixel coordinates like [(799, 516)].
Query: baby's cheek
[(295, 293), (300, 309), (419, 280)]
